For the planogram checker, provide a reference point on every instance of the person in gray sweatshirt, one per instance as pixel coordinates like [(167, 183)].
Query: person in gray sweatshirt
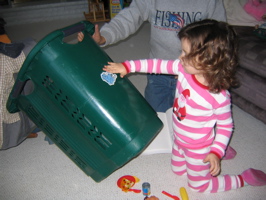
[(166, 18)]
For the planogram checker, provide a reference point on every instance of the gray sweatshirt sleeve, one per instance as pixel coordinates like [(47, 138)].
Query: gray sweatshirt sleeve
[(126, 22)]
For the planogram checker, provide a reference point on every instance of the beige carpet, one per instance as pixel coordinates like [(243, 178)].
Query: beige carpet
[(37, 170)]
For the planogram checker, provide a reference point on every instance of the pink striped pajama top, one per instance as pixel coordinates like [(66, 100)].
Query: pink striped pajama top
[(200, 118)]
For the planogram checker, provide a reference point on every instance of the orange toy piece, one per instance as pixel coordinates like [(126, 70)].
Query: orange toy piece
[(127, 182)]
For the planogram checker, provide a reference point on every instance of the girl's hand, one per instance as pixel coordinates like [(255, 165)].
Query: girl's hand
[(115, 68), (215, 164)]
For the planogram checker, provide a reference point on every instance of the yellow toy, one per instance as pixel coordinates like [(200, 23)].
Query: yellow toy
[(183, 194)]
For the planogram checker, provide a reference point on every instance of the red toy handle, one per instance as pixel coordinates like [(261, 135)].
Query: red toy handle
[(135, 190), (171, 196)]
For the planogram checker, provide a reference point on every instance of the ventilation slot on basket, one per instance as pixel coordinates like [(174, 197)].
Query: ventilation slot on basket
[(48, 84), (80, 162), (77, 160), (53, 135), (63, 145), (34, 115), (32, 112), (83, 121), (99, 137), (49, 130), (92, 131)]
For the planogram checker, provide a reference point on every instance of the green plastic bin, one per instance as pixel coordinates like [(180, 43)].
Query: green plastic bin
[(99, 125)]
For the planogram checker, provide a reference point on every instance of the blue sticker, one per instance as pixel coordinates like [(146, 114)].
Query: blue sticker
[(109, 77)]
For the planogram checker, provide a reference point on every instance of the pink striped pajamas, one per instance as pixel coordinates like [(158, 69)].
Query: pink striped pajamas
[(202, 123)]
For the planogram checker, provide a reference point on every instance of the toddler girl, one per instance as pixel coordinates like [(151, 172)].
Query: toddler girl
[(202, 120)]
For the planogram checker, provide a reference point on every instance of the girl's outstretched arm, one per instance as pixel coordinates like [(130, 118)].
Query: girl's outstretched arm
[(116, 68)]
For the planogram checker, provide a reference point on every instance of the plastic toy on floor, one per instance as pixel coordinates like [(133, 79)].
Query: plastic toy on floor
[(170, 195), (183, 194), (151, 198), (127, 182), (146, 189)]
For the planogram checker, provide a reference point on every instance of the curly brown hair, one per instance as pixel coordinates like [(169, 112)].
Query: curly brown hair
[(214, 51)]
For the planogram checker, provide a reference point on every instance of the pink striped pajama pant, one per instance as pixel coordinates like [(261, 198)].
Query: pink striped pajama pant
[(190, 162)]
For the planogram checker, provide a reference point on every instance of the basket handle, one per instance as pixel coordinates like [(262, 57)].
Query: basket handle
[(20, 83), (19, 86), (82, 26)]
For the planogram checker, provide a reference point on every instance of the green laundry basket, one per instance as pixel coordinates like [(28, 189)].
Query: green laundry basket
[(98, 121)]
